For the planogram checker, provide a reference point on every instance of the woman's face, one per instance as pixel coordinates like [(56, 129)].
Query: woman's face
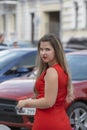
[(47, 53)]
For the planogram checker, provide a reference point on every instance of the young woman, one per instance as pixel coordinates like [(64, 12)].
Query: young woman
[(52, 88)]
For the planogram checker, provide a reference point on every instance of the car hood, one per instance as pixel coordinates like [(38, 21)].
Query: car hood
[(79, 82), (17, 89)]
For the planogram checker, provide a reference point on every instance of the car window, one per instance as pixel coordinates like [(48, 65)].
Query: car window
[(11, 71), (29, 60), (78, 66), (9, 58)]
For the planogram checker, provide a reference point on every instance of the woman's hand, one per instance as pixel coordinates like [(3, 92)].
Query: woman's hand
[(22, 103)]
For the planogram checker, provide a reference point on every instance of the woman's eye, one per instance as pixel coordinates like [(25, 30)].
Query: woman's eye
[(47, 49), (41, 49)]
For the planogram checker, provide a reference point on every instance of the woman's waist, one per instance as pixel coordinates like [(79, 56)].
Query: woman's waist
[(50, 112), (51, 109)]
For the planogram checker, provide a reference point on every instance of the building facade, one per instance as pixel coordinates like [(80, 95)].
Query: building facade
[(28, 20), (74, 19)]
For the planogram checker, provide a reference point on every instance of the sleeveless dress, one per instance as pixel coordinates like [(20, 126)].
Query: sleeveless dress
[(54, 118)]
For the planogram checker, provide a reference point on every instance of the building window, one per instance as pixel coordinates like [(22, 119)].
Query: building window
[(2, 23), (76, 14), (13, 22), (86, 13)]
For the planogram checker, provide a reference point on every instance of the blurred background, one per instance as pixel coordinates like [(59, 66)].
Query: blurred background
[(28, 20)]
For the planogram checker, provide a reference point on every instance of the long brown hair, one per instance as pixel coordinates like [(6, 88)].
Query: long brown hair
[(60, 56)]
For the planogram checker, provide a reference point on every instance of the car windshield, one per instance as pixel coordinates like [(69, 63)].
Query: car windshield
[(78, 66), (9, 58)]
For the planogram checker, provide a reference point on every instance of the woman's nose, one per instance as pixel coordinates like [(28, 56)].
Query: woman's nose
[(43, 52)]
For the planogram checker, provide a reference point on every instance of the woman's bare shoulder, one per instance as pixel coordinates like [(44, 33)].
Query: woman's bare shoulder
[(51, 72)]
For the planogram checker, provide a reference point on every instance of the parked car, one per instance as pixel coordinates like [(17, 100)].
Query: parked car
[(19, 88), (16, 62), (77, 43), (77, 109)]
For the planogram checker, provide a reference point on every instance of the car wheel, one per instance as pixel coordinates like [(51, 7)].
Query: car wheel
[(77, 113)]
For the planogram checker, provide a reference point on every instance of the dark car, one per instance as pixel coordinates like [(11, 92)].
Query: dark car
[(77, 43), (19, 88), (16, 62)]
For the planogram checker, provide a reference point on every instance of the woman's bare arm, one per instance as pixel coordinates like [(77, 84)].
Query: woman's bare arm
[(51, 91)]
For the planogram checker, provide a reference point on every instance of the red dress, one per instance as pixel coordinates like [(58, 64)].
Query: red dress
[(54, 118)]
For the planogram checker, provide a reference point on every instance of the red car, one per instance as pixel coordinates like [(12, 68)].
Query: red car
[(13, 90)]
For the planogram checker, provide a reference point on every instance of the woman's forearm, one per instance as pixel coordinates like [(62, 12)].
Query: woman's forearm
[(41, 103)]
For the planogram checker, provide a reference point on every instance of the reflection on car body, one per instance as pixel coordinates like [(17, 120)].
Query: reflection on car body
[(4, 48)]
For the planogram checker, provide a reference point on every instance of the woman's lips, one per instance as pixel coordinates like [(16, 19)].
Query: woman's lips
[(44, 58)]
